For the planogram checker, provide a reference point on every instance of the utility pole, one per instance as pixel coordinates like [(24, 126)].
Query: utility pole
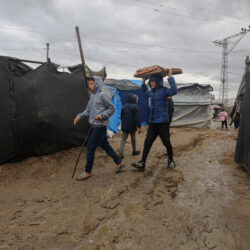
[(223, 92), (80, 45), (47, 56)]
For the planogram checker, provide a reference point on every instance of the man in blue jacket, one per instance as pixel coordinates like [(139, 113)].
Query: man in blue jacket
[(99, 109), (130, 117), (158, 117)]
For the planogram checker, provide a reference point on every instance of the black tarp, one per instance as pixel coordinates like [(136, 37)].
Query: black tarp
[(242, 152), (37, 108)]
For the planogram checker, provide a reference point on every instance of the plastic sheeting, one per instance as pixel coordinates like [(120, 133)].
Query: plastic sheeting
[(115, 119), (242, 151), (122, 84), (37, 110), (192, 106)]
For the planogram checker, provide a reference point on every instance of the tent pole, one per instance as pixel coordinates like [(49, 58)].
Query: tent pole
[(80, 45), (30, 61), (47, 55)]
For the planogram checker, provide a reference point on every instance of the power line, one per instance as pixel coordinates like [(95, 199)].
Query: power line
[(115, 41), (23, 49), (219, 13), (153, 7), (34, 31), (148, 45)]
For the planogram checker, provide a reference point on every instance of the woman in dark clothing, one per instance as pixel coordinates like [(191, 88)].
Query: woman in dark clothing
[(130, 117), (158, 117)]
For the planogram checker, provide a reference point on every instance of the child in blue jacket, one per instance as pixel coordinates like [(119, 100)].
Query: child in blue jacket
[(158, 117)]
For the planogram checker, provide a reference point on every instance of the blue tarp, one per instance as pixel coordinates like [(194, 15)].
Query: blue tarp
[(115, 119), (142, 101)]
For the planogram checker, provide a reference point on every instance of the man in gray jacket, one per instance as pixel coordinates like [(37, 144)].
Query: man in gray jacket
[(99, 109)]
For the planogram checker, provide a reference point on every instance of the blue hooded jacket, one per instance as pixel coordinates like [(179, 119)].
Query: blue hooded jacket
[(130, 115), (158, 109)]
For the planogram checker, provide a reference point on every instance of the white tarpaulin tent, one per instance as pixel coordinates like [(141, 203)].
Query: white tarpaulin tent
[(192, 106)]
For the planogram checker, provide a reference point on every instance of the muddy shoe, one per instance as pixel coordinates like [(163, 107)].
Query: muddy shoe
[(171, 165), (139, 165), (119, 168), (136, 152)]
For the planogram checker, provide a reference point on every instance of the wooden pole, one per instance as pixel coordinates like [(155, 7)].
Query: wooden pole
[(80, 45), (47, 44)]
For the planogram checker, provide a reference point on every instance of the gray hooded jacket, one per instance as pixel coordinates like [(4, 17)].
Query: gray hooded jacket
[(99, 104)]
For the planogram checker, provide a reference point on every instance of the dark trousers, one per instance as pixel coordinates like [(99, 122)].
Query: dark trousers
[(98, 137), (170, 117), (236, 123), (161, 129), (224, 123)]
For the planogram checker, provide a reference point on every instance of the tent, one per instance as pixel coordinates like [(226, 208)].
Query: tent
[(192, 106), (242, 151), (37, 108)]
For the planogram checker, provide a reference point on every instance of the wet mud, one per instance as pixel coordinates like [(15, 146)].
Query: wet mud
[(203, 203)]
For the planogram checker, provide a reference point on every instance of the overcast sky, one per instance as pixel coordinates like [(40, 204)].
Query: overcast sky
[(127, 35)]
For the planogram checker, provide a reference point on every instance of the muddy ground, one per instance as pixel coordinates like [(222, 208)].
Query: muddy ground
[(204, 203)]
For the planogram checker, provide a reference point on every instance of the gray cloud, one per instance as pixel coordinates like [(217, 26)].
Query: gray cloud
[(126, 35)]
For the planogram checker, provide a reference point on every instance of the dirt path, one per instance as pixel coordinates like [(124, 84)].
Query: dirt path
[(202, 204)]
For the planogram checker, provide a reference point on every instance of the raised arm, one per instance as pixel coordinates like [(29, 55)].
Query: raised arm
[(173, 89), (144, 89)]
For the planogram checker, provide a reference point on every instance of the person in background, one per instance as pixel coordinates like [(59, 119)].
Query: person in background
[(232, 115), (158, 117), (131, 121), (223, 118), (170, 109), (98, 109), (235, 116), (236, 120)]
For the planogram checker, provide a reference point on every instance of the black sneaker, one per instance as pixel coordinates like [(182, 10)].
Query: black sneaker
[(136, 152), (171, 165), (139, 165)]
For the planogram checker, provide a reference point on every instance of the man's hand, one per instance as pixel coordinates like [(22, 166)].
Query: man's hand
[(143, 80), (139, 130), (170, 71), (98, 117), (76, 121)]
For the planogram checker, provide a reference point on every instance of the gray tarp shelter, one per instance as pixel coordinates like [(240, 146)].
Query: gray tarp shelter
[(192, 106), (242, 151), (123, 84)]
